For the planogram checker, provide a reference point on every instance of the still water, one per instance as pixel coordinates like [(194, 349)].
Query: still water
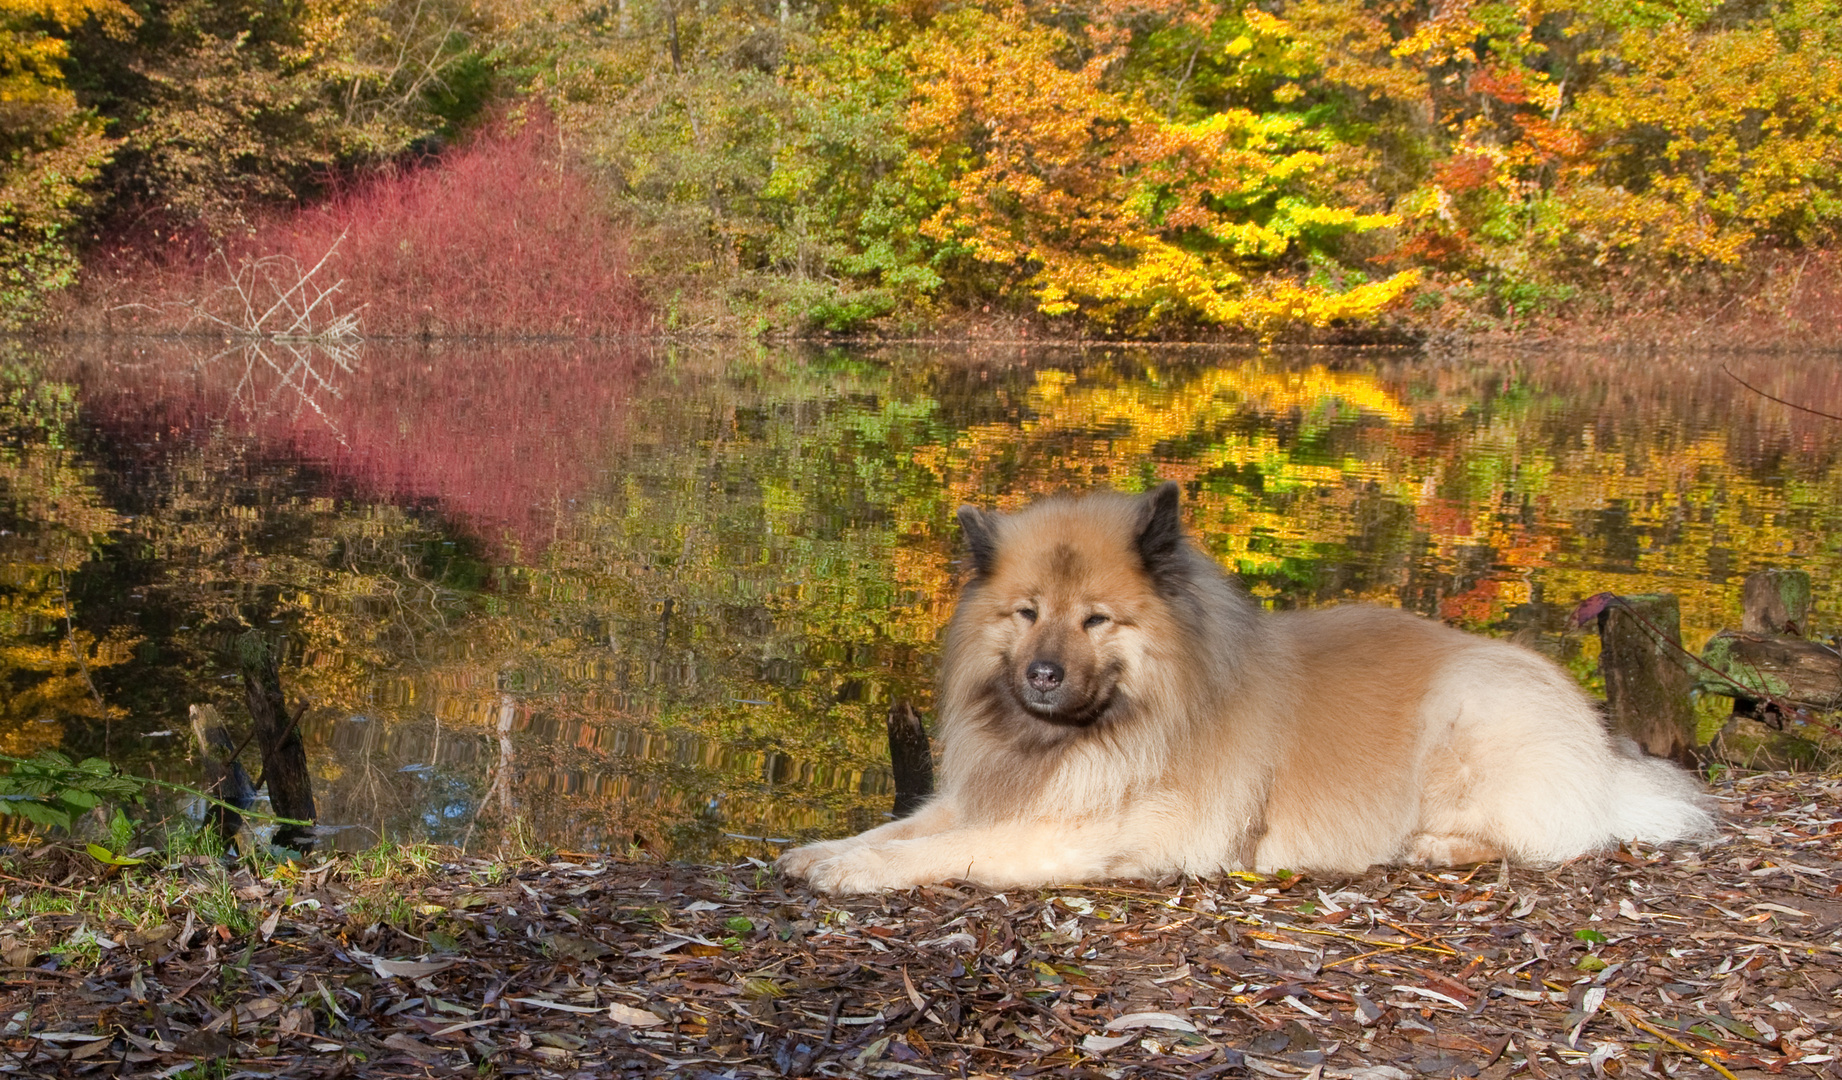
[(611, 596)]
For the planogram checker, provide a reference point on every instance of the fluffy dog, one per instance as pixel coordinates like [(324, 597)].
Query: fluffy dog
[(1112, 704)]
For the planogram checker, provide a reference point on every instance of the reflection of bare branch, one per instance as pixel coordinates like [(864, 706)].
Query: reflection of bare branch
[(288, 377), (1779, 400)]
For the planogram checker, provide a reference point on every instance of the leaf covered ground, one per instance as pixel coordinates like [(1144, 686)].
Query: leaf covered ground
[(1724, 959)]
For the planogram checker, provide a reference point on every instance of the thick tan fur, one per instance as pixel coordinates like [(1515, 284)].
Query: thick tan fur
[(1113, 705)]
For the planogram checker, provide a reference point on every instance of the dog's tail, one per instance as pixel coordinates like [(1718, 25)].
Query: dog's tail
[(1657, 801)]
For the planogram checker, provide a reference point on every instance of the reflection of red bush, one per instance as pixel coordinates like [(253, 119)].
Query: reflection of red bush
[(504, 440)]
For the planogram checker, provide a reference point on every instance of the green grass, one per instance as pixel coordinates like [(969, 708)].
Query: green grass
[(193, 877)]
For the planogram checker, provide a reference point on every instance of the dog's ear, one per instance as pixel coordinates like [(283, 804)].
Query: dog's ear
[(981, 546), (1160, 530)]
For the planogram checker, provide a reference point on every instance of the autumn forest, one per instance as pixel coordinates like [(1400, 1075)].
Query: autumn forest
[(1100, 167)]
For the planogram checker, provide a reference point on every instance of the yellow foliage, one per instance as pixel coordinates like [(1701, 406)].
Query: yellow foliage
[(1106, 207), (1751, 119)]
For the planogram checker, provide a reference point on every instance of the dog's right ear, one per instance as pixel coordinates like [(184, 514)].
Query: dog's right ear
[(981, 546)]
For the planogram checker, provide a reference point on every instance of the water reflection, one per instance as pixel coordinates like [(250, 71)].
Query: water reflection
[(626, 596)]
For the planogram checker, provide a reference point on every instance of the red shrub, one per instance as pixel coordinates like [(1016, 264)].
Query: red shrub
[(499, 238)]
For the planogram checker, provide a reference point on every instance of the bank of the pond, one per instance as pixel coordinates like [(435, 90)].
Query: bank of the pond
[(1766, 300), (1719, 960)]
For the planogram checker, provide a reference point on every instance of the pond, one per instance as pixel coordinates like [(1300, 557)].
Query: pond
[(607, 596)]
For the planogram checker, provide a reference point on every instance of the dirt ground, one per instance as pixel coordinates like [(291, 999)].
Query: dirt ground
[(1724, 959)]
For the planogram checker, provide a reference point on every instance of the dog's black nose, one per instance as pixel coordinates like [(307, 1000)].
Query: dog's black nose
[(1044, 675)]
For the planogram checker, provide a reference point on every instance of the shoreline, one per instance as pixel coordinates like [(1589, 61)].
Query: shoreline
[(1770, 303)]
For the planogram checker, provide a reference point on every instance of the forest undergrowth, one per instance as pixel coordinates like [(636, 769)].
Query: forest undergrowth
[(1718, 960)]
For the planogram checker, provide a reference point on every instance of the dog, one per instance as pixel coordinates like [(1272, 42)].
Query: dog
[(1112, 704)]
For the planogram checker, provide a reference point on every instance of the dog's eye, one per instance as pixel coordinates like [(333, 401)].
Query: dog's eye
[(1027, 614), (1095, 620)]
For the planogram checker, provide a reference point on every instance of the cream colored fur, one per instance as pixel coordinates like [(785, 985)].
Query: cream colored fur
[(1190, 731)]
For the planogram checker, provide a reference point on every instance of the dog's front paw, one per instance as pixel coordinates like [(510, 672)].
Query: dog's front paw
[(863, 869), (799, 862)]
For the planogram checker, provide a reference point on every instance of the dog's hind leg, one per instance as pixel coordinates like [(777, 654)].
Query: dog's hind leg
[(1520, 759), (1429, 849)]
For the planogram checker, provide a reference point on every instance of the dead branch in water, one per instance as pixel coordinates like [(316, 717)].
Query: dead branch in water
[(271, 298)]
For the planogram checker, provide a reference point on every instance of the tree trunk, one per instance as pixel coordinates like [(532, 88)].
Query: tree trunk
[(671, 21), (909, 758), (1646, 685), (284, 756)]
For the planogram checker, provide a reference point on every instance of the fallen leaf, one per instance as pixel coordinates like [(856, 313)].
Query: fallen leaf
[(560, 1006), (624, 1014), (577, 947), (411, 1045), (1162, 1021), (409, 969)]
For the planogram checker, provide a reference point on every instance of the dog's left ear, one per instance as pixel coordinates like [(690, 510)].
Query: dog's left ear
[(1160, 529)]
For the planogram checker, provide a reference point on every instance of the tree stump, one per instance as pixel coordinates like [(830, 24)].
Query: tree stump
[(910, 759), (278, 735), (1776, 602), (1646, 684)]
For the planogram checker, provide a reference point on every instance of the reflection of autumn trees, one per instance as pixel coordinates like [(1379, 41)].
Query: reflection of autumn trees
[(743, 559), (1458, 494), (51, 521)]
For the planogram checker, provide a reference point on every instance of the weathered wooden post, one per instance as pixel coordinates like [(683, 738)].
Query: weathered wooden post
[(1646, 684), (910, 758), (1776, 602)]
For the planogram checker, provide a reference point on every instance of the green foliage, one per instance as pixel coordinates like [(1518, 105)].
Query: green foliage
[(51, 791), (51, 148), (848, 190), (225, 107)]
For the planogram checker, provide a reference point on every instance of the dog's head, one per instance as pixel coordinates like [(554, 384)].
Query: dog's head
[(1068, 598)]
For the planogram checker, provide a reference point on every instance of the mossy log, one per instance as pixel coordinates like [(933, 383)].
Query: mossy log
[(1765, 669)]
